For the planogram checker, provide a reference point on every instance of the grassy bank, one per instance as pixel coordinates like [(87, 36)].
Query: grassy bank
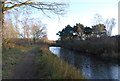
[(53, 67), (106, 47), (11, 58)]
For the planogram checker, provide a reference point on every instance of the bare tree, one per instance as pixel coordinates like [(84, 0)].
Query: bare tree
[(25, 27), (16, 16), (37, 32), (57, 8), (103, 24), (9, 32), (98, 19), (110, 23)]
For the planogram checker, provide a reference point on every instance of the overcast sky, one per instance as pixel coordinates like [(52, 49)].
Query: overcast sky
[(82, 11)]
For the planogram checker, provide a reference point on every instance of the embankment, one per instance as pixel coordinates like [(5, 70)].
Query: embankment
[(53, 67), (105, 47)]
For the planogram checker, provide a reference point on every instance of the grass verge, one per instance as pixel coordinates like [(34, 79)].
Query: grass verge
[(53, 67), (11, 58)]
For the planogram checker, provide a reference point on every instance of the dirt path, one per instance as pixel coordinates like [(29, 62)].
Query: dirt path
[(27, 69)]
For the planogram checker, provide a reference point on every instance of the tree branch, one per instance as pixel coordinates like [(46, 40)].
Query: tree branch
[(31, 4)]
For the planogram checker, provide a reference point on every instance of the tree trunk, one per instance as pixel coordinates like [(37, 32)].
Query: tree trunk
[(2, 19), (2, 22), (0, 26), (34, 40), (2, 12)]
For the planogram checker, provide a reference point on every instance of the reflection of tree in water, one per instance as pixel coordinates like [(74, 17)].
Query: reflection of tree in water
[(109, 70), (79, 62), (67, 56), (100, 70), (83, 64)]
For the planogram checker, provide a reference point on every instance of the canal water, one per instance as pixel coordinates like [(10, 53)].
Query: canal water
[(92, 68)]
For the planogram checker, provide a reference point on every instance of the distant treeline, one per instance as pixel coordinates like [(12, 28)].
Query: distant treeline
[(80, 32)]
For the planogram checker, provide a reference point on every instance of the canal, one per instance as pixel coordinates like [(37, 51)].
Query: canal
[(91, 67)]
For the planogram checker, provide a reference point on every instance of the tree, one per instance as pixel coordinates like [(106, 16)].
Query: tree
[(9, 32), (16, 16), (25, 26), (103, 26), (57, 8), (87, 32), (37, 32), (99, 30), (69, 32), (78, 30), (110, 23), (98, 19), (66, 33)]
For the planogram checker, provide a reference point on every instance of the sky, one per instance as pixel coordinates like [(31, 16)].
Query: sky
[(82, 11)]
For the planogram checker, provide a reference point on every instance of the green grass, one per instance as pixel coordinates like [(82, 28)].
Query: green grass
[(11, 58), (54, 67)]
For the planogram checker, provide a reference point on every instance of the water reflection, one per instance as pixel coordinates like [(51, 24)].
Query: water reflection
[(91, 67)]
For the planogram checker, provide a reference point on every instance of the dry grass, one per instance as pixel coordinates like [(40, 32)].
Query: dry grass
[(95, 46), (55, 67), (11, 58)]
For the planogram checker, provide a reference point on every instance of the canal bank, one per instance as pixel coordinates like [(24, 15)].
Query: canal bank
[(53, 67), (105, 46), (108, 57)]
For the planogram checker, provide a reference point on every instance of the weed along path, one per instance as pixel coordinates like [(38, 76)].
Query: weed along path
[(26, 69), (40, 63)]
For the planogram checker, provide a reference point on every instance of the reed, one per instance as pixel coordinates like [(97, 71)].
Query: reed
[(103, 46)]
